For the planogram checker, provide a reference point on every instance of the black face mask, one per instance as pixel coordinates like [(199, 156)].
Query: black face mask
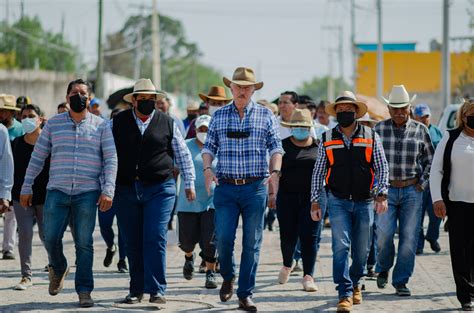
[(78, 103), (345, 119), (146, 107), (470, 121), (192, 116)]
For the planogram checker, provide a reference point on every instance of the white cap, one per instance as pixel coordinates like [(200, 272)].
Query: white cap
[(203, 120)]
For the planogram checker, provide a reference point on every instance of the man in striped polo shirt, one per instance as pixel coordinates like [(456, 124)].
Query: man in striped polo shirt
[(81, 178)]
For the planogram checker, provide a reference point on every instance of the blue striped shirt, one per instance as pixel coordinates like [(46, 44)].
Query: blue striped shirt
[(6, 165), (83, 156), (243, 157)]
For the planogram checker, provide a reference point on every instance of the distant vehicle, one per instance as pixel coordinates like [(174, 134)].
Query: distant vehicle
[(448, 117)]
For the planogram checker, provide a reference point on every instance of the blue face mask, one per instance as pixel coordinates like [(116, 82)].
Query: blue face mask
[(300, 133), (29, 124)]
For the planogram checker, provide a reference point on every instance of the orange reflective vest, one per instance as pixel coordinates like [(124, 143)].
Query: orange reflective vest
[(350, 173)]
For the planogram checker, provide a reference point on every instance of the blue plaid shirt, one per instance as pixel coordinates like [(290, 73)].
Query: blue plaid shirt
[(243, 157)]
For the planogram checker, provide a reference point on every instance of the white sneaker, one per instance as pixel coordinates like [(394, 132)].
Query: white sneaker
[(24, 284), (284, 275), (308, 284)]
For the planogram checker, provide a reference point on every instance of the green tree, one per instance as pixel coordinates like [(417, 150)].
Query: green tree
[(34, 47), (317, 87), (181, 69)]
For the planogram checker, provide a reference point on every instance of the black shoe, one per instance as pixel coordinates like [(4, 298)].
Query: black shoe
[(382, 279), (467, 306), (109, 255), (122, 266), (158, 298), (446, 229), (371, 272), (419, 251), (85, 300), (8, 255), (247, 304), (202, 267), (434, 245), (188, 268), (211, 281), (402, 290), (133, 298), (227, 290)]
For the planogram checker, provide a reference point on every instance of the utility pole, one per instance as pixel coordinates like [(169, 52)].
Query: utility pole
[(379, 51), (99, 86), (445, 55), (22, 8), (353, 47), (340, 50), (330, 86), (7, 12), (155, 42), (138, 49)]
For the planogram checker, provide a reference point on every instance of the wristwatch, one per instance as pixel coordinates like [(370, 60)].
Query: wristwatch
[(278, 172)]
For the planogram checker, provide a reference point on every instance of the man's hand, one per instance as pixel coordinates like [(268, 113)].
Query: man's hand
[(104, 203), (316, 213), (271, 201), (26, 200), (4, 205), (381, 205), (209, 178), (439, 208), (273, 181), (190, 194)]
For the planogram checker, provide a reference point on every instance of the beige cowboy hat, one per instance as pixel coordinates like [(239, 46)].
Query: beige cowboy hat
[(144, 86), (243, 76), (215, 93), (299, 118), (192, 106), (399, 97), (367, 118), (7, 102), (347, 97), (270, 105)]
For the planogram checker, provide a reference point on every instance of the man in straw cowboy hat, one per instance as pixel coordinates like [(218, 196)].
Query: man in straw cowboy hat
[(409, 152), (82, 176), (212, 101), (8, 111), (349, 159), (148, 144), (242, 135)]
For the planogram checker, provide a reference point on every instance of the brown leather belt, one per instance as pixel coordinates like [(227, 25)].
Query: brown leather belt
[(403, 183), (239, 181)]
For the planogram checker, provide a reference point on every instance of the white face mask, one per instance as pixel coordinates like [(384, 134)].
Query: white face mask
[(29, 124), (201, 137), (213, 109)]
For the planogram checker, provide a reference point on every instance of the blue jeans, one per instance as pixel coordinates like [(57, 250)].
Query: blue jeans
[(82, 209), (232, 201), (372, 259), (432, 234), (351, 222), (143, 212), (404, 206), (106, 220)]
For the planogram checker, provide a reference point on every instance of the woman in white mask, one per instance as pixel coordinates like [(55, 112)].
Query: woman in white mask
[(22, 148), (196, 218)]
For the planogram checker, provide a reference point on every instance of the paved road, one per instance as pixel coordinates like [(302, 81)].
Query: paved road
[(432, 284)]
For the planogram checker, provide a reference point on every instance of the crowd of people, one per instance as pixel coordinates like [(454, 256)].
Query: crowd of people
[(304, 164)]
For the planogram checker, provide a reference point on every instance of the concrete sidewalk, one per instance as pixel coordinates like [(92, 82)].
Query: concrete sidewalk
[(432, 285)]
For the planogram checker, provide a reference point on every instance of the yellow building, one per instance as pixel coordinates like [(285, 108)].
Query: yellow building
[(419, 72)]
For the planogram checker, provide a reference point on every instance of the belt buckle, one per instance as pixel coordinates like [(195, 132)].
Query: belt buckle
[(239, 181)]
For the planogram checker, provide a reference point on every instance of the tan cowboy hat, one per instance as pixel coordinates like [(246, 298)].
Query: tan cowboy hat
[(192, 106), (347, 97), (366, 118), (145, 87), (7, 102), (215, 93), (272, 106), (399, 97), (299, 118), (243, 76)]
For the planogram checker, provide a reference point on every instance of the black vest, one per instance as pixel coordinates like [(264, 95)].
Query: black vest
[(350, 172), (148, 158), (446, 180)]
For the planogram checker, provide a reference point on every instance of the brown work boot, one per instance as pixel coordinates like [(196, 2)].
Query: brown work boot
[(344, 305), (357, 295), (227, 289), (56, 282), (85, 300)]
